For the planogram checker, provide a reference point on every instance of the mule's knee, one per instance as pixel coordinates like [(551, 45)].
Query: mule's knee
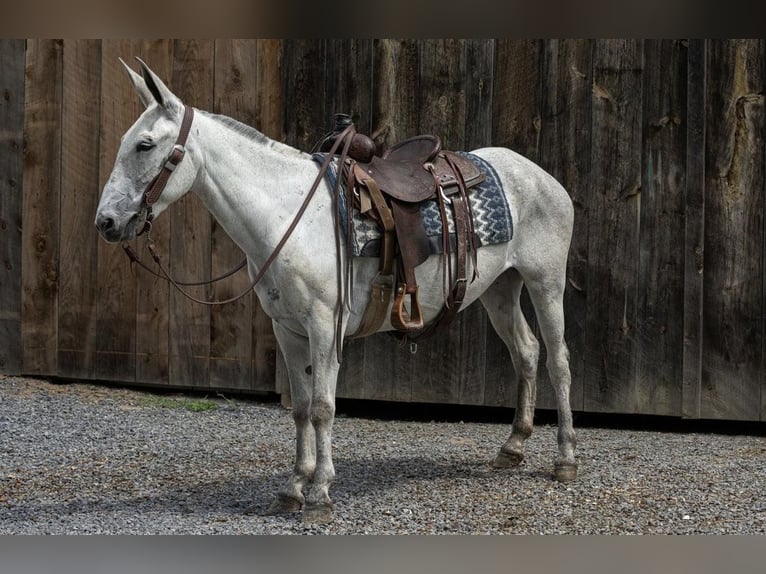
[(301, 412), (322, 411)]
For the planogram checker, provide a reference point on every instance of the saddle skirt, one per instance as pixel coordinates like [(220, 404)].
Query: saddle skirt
[(489, 205)]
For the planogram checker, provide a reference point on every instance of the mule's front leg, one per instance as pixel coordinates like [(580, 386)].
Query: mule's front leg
[(298, 360), (318, 508)]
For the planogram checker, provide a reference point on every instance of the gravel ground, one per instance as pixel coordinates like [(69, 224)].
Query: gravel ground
[(80, 458)]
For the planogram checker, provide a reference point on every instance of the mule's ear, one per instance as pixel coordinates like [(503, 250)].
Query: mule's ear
[(159, 91), (140, 86)]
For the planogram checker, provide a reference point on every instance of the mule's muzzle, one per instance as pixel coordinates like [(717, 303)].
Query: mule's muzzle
[(110, 229)]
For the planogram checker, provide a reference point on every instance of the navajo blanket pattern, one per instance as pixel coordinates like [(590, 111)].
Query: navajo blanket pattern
[(492, 215)]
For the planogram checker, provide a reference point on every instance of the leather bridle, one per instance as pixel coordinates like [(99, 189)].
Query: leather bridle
[(155, 188)]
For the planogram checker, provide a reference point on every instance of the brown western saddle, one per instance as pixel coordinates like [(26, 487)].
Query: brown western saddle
[(390, 189)]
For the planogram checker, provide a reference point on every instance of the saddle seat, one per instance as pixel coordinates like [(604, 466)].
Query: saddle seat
[(410, 170)]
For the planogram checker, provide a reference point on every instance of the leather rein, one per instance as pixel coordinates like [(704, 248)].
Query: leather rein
[(155, 188)]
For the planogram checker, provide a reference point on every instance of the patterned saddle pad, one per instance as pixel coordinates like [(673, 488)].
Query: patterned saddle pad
[(492, 215)]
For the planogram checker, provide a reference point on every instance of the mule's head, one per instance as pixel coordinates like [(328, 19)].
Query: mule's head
[(144, 149)]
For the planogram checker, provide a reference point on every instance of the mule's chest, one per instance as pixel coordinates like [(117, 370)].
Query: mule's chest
[(291, 300)]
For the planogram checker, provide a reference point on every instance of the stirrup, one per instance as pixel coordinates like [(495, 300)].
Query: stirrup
[(400, 318)]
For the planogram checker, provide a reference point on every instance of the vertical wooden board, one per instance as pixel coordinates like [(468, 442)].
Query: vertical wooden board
[(231, 326), (269, 120), (565, 150), (694, 228), (351, 381), (395, 91), (447, 368), (515, 125), (269, 112), (190, 225), (734, 242), (659, 330), (500, 380), (348, 81), (436, 369), (388, 369), (12, 64), (479, 87), (442, 106), (613, 244), (304, 79), (153, 294), (395, 370), (516, 97), (380, 377), (472, 350), (115, 357), (40, 218), (79, 197)]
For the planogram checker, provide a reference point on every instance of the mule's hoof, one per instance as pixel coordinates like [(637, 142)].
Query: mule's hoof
[(284, 504), (565, 472), (505, 459), (317, 514)]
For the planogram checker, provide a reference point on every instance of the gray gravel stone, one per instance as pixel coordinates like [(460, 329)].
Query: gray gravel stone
[(86, 459)]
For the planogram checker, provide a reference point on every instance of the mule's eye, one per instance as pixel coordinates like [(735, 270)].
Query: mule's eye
[(144, 146)]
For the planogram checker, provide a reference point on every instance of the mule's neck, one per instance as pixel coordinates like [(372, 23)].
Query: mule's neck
[(248, 181)]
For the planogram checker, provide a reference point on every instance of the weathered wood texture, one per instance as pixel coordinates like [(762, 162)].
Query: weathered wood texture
[(41, 218), (78, 293), (660, 144), (732, 324), (12, 61), (613, 242), (694, 227), (659, 312)]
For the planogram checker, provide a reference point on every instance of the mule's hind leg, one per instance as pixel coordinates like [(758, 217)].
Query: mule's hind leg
[(547, 294), (502, 302), (297, 358)]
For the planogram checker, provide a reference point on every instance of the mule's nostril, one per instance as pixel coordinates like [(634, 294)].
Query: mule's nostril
[(105, 223)]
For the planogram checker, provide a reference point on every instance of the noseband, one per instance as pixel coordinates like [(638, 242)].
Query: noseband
[(154, 190)]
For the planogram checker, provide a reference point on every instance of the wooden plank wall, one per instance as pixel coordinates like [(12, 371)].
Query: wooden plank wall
[(660, 144), (733, 319), (12, 54), (41, 217)]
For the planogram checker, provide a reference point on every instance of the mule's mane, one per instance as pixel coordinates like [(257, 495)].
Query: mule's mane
[(251, 133)]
